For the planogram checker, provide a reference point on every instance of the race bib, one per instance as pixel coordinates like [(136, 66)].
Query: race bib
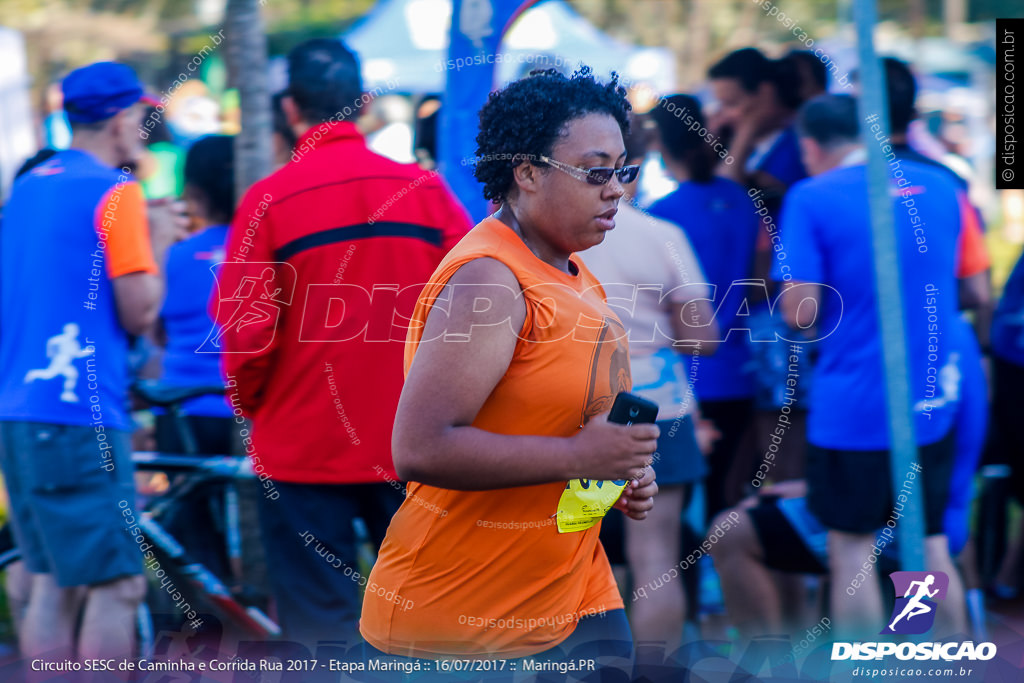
[(585, 501)]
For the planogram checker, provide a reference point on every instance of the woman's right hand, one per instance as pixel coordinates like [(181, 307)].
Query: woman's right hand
[(606, 450)]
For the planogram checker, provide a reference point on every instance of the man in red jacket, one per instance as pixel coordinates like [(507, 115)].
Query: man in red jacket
[(326, 258)]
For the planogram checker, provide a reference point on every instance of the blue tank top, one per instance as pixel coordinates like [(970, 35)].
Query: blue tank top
[(63, 353)]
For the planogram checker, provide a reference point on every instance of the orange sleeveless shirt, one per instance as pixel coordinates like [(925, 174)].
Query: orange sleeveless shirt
[(486, 573)]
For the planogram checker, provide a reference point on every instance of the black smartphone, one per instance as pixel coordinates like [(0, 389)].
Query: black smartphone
[(630, 409)]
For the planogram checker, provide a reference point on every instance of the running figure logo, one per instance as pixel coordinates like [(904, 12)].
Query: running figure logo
[(258, 293), (914, 613), (63, 350)]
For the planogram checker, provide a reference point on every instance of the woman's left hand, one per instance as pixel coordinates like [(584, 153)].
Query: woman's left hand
[(638, 496)]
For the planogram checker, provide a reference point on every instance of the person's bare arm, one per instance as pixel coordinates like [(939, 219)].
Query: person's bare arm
[(791, 488), (638, 496), (158, 334), (976, 295), (449, 381), (138, 230), (976, 291), (800, 309), (138, 297), (741, 146)]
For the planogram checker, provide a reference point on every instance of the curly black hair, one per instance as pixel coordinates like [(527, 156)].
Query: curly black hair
[(523, 120)]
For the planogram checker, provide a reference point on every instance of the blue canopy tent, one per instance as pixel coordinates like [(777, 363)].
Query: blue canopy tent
[(411, 46), (408, 40)]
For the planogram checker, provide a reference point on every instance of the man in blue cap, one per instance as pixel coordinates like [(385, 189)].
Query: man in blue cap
[(78, 274)]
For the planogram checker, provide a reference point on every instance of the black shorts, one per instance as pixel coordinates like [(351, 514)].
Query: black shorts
[(786, 548), (852, 491)]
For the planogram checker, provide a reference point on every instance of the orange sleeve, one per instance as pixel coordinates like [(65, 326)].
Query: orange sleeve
[(972, 255), (121, 224)]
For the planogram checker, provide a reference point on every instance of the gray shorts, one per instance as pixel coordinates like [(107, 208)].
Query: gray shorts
[(65, 483)]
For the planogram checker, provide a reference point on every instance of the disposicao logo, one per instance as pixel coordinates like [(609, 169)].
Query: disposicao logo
[(917, 598), (914, 612)]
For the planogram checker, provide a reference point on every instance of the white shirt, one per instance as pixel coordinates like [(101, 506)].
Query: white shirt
[(646, 264)]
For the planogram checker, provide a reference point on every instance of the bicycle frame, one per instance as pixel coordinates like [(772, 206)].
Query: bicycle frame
[(197, 577)]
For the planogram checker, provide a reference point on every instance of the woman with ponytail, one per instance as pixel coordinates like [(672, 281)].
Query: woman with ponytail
[(718, 218)]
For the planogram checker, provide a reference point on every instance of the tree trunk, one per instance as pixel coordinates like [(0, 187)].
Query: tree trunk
[(700, 43), (247, 71), (954, 16), (746, 25), (916, 18)]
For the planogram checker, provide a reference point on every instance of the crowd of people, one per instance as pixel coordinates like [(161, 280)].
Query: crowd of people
[(447, 386)]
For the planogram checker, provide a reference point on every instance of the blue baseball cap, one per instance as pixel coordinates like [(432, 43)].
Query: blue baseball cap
[(98, 91)]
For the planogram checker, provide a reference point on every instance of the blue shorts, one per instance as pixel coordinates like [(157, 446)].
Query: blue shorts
[(65, 483), (678, 459)]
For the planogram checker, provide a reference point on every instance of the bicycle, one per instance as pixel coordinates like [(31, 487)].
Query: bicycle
[(193, 472)]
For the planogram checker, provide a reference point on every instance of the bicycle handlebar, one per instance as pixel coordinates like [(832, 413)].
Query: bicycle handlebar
[(225, 466)]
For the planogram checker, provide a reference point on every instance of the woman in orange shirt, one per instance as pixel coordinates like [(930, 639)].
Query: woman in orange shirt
[(512, 362)]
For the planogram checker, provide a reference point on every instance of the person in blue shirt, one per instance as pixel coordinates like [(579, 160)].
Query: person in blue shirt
[(901, 91), (757, 100), (784, 536), (1007, 443), (185, 323), (719, 220), (209, 195), (78, 275), (826, 236)]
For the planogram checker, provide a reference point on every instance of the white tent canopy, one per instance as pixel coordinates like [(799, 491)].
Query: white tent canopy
[(17, 136), (407, 41)]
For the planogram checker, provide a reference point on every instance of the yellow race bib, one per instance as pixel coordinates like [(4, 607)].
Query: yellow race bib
[(585, 501)]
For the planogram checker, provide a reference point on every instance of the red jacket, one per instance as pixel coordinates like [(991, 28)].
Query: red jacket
[(326, 258)]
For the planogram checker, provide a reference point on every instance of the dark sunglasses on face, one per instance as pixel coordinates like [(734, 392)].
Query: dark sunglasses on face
[(599, 175)]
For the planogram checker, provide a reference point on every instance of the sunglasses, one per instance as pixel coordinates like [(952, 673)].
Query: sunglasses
[(598, 175)]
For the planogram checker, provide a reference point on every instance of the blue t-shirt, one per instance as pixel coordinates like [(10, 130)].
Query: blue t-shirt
[(719, 220), (187, 322), (63, 353), (782, 160), (1007, 337), (826, 238)]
